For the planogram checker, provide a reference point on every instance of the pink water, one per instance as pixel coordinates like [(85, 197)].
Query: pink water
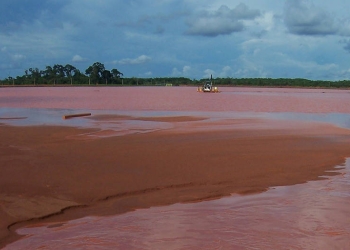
[(315, 215), (178, 99), (47, 105)]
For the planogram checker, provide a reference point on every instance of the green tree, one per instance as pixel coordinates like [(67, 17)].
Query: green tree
[(59, 72), (49, 74), (35, 74), (116, 73), (68, 69), (95, 72), (106, 75)]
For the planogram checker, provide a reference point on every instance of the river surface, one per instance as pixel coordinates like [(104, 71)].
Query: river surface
[(46, 105), (178, 99), (314, 215)]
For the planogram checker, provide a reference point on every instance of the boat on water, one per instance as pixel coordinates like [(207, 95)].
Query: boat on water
[(208, 87)]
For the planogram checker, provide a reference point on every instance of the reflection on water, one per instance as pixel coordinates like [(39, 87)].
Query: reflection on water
[(314, 215), (36, 116), (128, 124), (46, 106), (338, 119)]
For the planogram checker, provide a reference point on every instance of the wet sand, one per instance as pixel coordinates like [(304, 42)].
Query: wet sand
[(312, 215), (58, 173)]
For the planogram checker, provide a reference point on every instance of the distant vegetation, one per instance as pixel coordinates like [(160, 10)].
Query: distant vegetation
[(96, 74), (282, 82)]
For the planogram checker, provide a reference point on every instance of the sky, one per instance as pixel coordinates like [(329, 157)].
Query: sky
[(179, 38)]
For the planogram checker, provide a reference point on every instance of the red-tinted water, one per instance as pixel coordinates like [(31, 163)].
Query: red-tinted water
[(315, 215), (178, 99), (308, 216), (47, 105)]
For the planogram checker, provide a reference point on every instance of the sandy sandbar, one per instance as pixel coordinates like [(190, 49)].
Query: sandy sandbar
[(51, 173)]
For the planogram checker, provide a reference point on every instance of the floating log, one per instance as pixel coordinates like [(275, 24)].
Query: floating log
[(12, 118), (75, 115)]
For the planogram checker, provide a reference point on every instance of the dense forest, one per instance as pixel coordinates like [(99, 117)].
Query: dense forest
[(97, 74)]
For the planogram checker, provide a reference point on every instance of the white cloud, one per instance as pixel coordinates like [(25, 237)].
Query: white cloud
[(18, 57), (302, 17), (139, 60), (78, 58), (186, 70), (266, 21), (208, 73), (225, 72), (223, 21)]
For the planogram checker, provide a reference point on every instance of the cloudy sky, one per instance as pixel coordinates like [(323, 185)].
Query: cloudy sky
[(190, 38)]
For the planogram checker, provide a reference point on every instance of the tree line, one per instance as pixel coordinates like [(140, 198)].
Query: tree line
[(97, 74), (282, 82), (66, 74)]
